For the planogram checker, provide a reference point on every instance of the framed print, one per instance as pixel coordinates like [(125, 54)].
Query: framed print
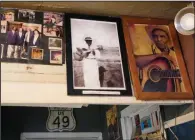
[(3, 26), (55, 43), (26, 15), (53, 24), (156, 63), (37, 53), (112, 124), (8, 15), (96, 56), (55, 56)]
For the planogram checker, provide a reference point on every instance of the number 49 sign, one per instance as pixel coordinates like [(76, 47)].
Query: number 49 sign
[(60, 119)]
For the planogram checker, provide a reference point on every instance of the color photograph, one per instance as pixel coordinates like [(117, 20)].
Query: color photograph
[(55, 57), (7, 15), (55, 43), (37, 54), (96, 55), (3, 26), (155, 58), (20, 36), (26, 15), (53, 23), (112, 124)]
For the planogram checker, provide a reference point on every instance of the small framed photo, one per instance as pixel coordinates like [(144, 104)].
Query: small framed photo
[(53, 24), (55, 43), (37, 54), (157, 65), (26, 15), (7, 14), (55, 57), (97, 56), (3, 26)]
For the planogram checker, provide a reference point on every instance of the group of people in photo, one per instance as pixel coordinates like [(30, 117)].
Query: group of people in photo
[(19, 41)]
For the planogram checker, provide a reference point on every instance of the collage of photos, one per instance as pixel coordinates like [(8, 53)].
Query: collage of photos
[(53, 28), (24, 39), (53, 24)]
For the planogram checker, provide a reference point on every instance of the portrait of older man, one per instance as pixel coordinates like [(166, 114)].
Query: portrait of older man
[(159, 55)]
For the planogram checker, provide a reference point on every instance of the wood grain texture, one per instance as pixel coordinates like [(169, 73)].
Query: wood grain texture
[(163, 9), (187, 46), (133, 68)]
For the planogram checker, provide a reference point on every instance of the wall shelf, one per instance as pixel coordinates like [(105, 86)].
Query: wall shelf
[(45, 86)]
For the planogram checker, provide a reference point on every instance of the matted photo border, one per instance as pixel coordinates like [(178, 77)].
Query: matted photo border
[(72, 90)]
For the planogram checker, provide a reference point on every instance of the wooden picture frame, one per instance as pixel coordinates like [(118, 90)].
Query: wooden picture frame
[(140, 69), (96, 56)]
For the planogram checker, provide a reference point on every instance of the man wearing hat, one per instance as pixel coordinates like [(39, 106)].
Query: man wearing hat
[(89, 54), (160, 48)]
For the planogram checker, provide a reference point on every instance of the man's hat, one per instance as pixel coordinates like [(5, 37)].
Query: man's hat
[(88, 38), (165, 28)]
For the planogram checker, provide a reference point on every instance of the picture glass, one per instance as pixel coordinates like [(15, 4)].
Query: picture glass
[(28, 36), (156, 61), (112, 124), (53, 23), (97, 62)]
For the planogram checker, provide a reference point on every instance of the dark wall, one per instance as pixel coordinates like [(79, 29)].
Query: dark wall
[(16, 120), (104, 109), (183, 131)]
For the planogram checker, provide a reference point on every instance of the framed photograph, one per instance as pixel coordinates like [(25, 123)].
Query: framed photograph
[(55, 43), (96, 56), (8, 15), (24, 35), (55, 57), (26, 15), (37, 53), (155, 60), (53, 24), (3, 26), (112, 124)]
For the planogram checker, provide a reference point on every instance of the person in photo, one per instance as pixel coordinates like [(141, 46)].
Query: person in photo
[(20, 35), (90, 54), (11, 42), (159, 49), (3, 28), (59, 32), (28, 40), (49, 25), (36, 39), (2, 16), (53, 19)]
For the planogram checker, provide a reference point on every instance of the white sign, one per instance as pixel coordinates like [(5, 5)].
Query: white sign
[(60, 119)]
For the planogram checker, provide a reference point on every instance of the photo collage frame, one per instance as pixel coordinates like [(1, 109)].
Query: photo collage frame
[(34, 37)]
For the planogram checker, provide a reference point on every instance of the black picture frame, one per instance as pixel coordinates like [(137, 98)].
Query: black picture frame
[(37, 20), (71, 90)]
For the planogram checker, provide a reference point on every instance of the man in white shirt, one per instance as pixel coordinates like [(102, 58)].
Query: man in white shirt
[(19, 42), (28, 40)]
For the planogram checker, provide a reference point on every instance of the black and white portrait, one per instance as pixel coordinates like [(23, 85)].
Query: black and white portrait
[(26, 15), (96, 55)]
